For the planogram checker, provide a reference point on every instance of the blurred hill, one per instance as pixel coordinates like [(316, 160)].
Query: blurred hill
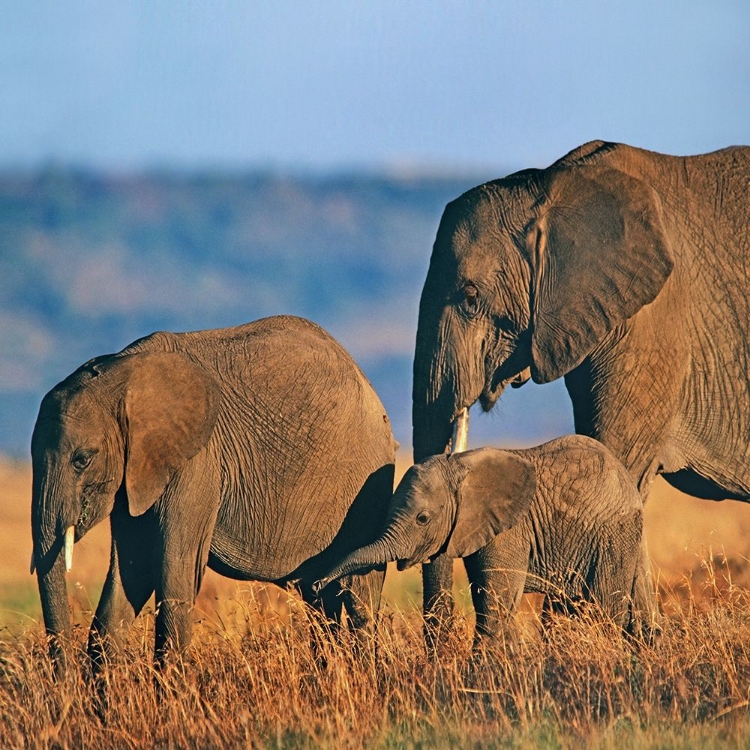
[(91, 261)]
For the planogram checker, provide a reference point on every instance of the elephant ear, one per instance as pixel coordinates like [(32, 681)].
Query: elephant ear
[(600, 254), (494, 495), (170, 409)]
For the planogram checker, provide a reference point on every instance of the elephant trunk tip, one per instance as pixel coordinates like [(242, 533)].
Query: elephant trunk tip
[(359, 561), (319, 585)]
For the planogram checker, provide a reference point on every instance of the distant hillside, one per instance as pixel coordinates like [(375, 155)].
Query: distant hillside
[(89, 262)]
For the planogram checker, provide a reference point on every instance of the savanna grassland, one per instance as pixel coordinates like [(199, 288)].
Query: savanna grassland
[(251, 679)]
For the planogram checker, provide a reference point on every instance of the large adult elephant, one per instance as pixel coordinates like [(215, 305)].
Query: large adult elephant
[(261, 450), (626, 272)]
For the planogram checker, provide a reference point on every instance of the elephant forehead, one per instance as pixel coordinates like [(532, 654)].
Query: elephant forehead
[(80, 413), (475, 234), (68, 417), (495, 252), (430, 476), (490, 208)]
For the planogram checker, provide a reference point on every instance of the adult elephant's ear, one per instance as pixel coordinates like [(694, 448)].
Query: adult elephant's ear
[(170, 409), (493, 496), (599, 254)]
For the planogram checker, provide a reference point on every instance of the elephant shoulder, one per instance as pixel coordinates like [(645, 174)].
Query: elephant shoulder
[(301, 340), (580, 449), (158, 341), (581, 464), (277, 325), (590, 151)]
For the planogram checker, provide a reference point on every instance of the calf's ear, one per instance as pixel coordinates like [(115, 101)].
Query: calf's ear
[(170, 409), (493, 496)]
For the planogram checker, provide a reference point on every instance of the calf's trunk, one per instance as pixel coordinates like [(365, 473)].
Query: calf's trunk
[(381, 551)]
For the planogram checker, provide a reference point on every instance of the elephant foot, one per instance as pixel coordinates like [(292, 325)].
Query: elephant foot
[(59, 657), (441, 628)]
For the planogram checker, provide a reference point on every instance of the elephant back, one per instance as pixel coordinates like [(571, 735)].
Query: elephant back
[(305, 444)]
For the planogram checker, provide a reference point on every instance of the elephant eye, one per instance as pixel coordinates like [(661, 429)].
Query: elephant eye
[(423, 517), (471, 297), (81, 458)]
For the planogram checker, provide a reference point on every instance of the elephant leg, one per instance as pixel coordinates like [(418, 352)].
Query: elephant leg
[(177, 586), (437, 600), (496, 591), (129, 583), (187, 518), (554, 605), (330, 605), (644, 608), (361, 598), (325, 625)]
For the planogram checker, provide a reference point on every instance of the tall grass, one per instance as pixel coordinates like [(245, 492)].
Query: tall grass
[(252, 679)]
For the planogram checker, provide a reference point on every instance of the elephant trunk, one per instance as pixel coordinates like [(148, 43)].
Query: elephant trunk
[(51, 558), (448, 377), (54, 596), (433, 403), (379, 552), (439, 424)]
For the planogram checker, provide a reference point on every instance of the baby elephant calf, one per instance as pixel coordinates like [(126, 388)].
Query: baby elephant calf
[(563, 519)]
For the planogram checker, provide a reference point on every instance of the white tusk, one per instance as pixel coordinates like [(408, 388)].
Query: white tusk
[(70, 537), (32, 564), (460, 437)]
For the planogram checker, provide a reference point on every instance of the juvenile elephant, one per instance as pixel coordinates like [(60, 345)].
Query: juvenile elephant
[(260, 450), (563, 519), (626, 272)]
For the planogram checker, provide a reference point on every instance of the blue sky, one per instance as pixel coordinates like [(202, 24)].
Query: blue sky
[(336, 85), (480, 88)]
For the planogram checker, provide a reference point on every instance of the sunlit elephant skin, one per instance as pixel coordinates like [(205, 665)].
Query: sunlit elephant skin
[(626, 272), (260, 450), (563, 519)]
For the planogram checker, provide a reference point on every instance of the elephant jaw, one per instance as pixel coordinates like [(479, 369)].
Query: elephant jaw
[(405, 564), (490, 396)]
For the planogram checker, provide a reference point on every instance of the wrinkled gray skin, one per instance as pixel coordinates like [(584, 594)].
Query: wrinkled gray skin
[(260, 450), (563, 519), (626, 272)]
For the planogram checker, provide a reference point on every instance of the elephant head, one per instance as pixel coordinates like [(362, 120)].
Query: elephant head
[(452, 504), (528, 275), (118, 427)]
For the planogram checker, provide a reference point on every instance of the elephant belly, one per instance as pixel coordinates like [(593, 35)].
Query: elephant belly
[(295, 524), (272, 558), (692, 483)]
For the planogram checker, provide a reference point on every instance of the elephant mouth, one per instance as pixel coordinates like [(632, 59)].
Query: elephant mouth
[(405, 563), (498, 384), (83, 517), (491, 394)]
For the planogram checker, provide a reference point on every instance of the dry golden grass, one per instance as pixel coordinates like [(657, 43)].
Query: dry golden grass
[(250, 678), (260, 686)]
